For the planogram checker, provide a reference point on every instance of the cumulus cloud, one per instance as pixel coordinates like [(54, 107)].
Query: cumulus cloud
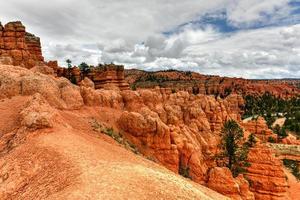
[(163, 34)]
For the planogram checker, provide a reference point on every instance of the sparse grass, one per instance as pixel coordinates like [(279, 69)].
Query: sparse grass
[(117, 136)]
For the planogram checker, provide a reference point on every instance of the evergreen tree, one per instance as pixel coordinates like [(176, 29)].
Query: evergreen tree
[(69, 64), (234, 151), (84, 68)]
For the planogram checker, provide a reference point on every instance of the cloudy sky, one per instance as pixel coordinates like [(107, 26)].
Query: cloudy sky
[(242, 38)]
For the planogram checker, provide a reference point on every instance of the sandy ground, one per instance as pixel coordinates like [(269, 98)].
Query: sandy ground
[(279, 121), (294, 189)]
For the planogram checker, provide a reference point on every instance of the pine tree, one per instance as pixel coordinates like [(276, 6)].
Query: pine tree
[(234, 151)]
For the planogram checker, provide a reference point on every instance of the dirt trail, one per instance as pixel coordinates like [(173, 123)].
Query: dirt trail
[(294, 189), (9, 111)]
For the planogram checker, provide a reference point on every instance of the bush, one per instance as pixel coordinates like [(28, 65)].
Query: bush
[(133, 87), (251, 140), (293, 166), (184, 171), (73, 80), (271, 139), (281, 132)]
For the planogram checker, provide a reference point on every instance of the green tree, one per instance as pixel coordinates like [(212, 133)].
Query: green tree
[(281, 132), (69, 64), (251, 140), (234, 151), (84, 68)]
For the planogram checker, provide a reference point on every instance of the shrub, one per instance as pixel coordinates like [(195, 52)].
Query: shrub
[(184, 171), (251, 140), (293, 166), (271, 139), (118, 137)]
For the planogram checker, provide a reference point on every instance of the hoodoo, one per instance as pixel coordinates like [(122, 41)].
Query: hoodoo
[(17, 47)]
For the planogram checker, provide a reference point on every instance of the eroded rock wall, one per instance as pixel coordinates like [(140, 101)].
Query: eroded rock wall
[(18, 47)]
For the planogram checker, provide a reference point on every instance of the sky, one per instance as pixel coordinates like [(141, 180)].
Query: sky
[(235, 38)]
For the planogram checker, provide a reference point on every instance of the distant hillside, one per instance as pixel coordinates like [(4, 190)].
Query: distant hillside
[(211, 85)]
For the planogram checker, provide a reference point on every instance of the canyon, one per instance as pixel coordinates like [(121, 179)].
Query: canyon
[(99, 139)]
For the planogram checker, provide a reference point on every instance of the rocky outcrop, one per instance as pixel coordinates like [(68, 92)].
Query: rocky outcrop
[(60, 93), (88, 83), (18, 47), (37, 113), (291, 139), (259, 128), (179, 130), (221, 180), (109, 76), (266, 175)]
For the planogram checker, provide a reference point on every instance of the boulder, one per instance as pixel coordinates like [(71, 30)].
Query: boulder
[(37, 113)]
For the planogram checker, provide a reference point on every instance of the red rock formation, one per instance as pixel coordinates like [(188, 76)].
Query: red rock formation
[(221, 180), (54, 66), (104, 77), (259, 128), (179, 130), (266, 175), (291, 139), (23, 48), (109, 76)]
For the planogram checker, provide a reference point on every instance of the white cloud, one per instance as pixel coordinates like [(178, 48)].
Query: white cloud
[(245, 12), (130, 32)]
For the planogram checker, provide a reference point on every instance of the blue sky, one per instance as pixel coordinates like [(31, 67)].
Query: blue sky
[(241, 38)]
